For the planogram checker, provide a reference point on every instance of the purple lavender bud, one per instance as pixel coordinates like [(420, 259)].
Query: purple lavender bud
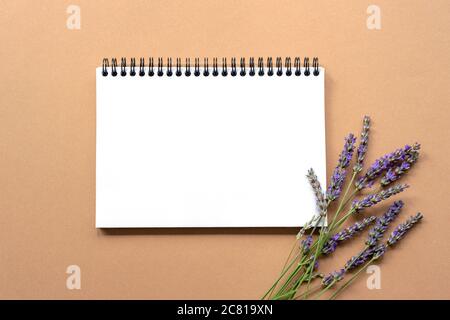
[(362, 148), (387, 162), (403, 228), (379, 251), (339, 173), (330, 246), (306, 244), (382, 223), (332, 278), (373, 199), (348, 233), (316, 265), (389, 177)]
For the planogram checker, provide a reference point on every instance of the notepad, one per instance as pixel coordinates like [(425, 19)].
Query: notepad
[(208, 143)]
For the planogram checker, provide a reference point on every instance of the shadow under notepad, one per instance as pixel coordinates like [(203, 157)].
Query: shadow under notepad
[(197, 231)]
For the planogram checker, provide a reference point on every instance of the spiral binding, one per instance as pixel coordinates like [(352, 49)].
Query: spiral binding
[(252, 69)]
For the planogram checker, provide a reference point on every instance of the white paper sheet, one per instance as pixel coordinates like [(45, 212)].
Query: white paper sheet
[(208, 151)]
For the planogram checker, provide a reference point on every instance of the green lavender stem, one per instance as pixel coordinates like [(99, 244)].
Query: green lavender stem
[(289, 279), (283, 271), (318, 245), (306, 293), (324, 290), (324, 236), (281, 276)]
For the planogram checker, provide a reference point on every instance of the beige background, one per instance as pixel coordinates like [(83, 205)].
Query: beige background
[(399, 75)]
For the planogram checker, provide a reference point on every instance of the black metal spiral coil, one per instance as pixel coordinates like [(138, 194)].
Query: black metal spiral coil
[(252, 69)]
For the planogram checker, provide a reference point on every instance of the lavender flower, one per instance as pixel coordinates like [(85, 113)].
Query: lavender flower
[(375, 198), (332, 278), (330, 245), (306, 243), (359, 259), (362, 148), (394, 174), (382, 223), (318, 193), (347, 153), (403, 228), (387, 162), (338, 177), (365, 255), (337, 181)]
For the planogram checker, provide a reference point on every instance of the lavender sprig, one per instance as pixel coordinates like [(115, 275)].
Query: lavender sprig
[(348, 233), (373, 199), (318, 193), (382, 223), (387, 162), (403, 228), (362, 148), (321, 203), (339, 173)]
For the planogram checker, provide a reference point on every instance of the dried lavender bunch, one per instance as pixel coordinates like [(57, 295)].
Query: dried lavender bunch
[(373, 199), (339, 173), (346, 234), (362, 148), (382, 223), (403, 228), (299, 271), (386, 162)]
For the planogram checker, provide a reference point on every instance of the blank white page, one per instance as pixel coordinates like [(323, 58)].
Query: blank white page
[(208, 151)]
